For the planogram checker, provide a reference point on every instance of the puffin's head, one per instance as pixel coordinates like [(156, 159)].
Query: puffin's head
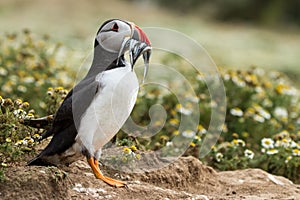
[(118, 36)]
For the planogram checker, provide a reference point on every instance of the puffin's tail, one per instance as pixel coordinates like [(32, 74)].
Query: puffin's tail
[(39, 161), (43, 122)]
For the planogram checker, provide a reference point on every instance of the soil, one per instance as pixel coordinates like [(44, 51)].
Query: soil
[(186, 178)]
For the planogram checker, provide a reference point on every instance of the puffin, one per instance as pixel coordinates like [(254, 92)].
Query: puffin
[(96, 108)]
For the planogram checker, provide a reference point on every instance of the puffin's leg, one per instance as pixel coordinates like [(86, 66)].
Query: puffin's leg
[(97, 172)]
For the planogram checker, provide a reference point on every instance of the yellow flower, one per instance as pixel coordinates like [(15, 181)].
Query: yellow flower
[(164, 137), (126, 150), (237, 142), (192, 144), (25, 105), (58, 89), (8, 140), (133, 148), (18, 102), (296, 152), (282, 89), (174, 121), (30, 115), (178, 106), (201, 129), (197, 137), (250, 111), (251, 78), (173, 112), (138, 156), (19, 142), (288, 159), (30, 141), (213, 148), (176, 132), (267, 84)]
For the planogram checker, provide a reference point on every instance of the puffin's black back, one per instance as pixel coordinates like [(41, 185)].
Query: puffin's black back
[(63, 131)]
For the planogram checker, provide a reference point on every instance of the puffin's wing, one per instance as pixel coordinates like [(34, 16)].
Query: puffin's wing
[(63, 117), (64, 127)]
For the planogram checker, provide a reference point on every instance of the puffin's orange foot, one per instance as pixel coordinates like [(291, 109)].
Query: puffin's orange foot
[(97, 172)]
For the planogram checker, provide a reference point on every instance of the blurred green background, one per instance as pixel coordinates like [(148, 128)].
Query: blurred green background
[(237, 34)]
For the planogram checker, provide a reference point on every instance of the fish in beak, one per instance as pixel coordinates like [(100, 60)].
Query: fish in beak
[(138, 44)]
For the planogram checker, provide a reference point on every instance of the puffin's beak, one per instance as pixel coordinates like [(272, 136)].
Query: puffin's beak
[(142, 46), (137, 44)]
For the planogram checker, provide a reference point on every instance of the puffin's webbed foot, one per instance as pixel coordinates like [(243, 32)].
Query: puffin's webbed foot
[(97, 172)]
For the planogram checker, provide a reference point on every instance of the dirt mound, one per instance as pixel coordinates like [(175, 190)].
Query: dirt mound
[(187, 178)]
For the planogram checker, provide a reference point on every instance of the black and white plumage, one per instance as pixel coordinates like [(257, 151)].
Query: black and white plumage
[(97, 107)]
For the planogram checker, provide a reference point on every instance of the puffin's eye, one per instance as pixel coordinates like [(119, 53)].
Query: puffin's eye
[(115, 27)]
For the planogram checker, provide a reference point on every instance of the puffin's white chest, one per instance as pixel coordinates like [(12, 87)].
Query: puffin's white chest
[(110, 108)]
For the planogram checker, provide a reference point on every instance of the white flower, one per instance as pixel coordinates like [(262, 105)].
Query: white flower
[(24, 142), (226, 77), (281, 112), (22, 88), (285, 143), (293, 144), (296, 152), (3, 71), (272, 151), (267, 103), (19, 113), (258, 89), (238, 81), (267, 143), (29, 80), (200, 77), (201, 129), (265, 114), (236, 112), (237, 142), (183, 110), (249, 154), (284, 134), (288, 159), (258, 118), (219, 156), (189, 134), (193, 99), (168, 144)]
